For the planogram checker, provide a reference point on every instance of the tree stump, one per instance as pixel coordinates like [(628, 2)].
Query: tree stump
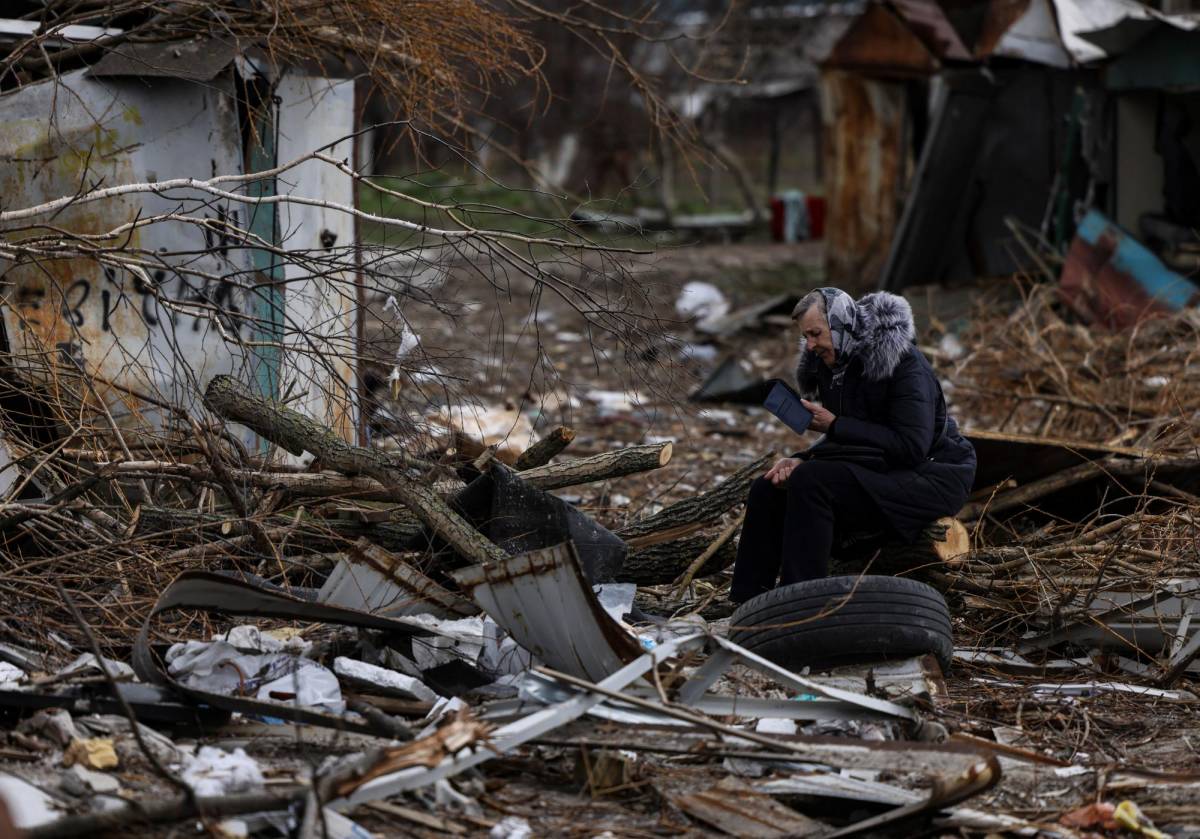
[(944, 542)]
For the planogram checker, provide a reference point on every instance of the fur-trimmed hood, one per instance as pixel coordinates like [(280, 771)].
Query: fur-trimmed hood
[(883, 333)]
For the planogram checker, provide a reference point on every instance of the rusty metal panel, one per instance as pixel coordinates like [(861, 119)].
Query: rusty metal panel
[(55, 136), (866, 168), (373, 580), (315, 112), (1113, 280), (879, 42), (542, 599)]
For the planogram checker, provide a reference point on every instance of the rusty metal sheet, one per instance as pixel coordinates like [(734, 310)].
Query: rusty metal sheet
[(374, 580), (1113, 280), (879, 42), (542, 599), (196, 59), (866, 163)]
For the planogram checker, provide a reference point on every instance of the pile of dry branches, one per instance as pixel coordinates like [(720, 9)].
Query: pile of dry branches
[(1035, 370)]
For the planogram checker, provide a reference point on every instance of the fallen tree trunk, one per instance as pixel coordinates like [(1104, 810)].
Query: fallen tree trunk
[(663, 563), (701, 508), (309, 535), (598, 467), (297, 433)]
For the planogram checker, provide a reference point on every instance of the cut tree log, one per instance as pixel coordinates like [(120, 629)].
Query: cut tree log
[(541, 452), (599, 467), (944, 542), (685, 579), (663, 563), (701, 508), (296, 433)]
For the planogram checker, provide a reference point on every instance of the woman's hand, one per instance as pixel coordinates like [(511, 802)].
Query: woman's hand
[(822, 418), (779, 473)]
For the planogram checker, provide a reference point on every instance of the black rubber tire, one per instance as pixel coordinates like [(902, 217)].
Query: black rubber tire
[(881, 618)]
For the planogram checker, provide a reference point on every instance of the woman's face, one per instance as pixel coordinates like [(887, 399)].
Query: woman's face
[(815, 330)]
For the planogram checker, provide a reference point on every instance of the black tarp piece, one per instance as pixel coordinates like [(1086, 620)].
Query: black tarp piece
[(521, 518), (732, 381)]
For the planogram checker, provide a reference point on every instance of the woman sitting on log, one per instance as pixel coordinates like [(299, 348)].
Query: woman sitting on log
[(891, 454)]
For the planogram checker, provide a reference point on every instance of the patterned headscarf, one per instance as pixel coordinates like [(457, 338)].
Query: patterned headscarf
[(842, 315)]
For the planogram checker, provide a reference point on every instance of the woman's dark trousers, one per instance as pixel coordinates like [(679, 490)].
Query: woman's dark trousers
[(788, 531)]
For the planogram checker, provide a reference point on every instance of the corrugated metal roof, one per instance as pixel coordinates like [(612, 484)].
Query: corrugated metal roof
[(543, 601), (197, 60)]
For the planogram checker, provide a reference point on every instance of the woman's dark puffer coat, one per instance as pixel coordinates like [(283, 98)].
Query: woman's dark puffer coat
[(889, 398)]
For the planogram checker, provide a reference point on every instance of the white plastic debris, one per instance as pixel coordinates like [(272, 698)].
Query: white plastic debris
[(360, 673), (97, 782), (213, 771), (951, 347), (219, 667), (1156, 382), (251, 639), (87, 663), (511, 827), (10, 675), (702, 301), (408, 342), (445, 795), (615, 401), (616, 599), (773, 725), (28, 805)]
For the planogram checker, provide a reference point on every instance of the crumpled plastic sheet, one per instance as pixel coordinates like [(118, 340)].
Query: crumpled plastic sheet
[(213, 772), (511, 827), (220, 667), (250, 638)]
